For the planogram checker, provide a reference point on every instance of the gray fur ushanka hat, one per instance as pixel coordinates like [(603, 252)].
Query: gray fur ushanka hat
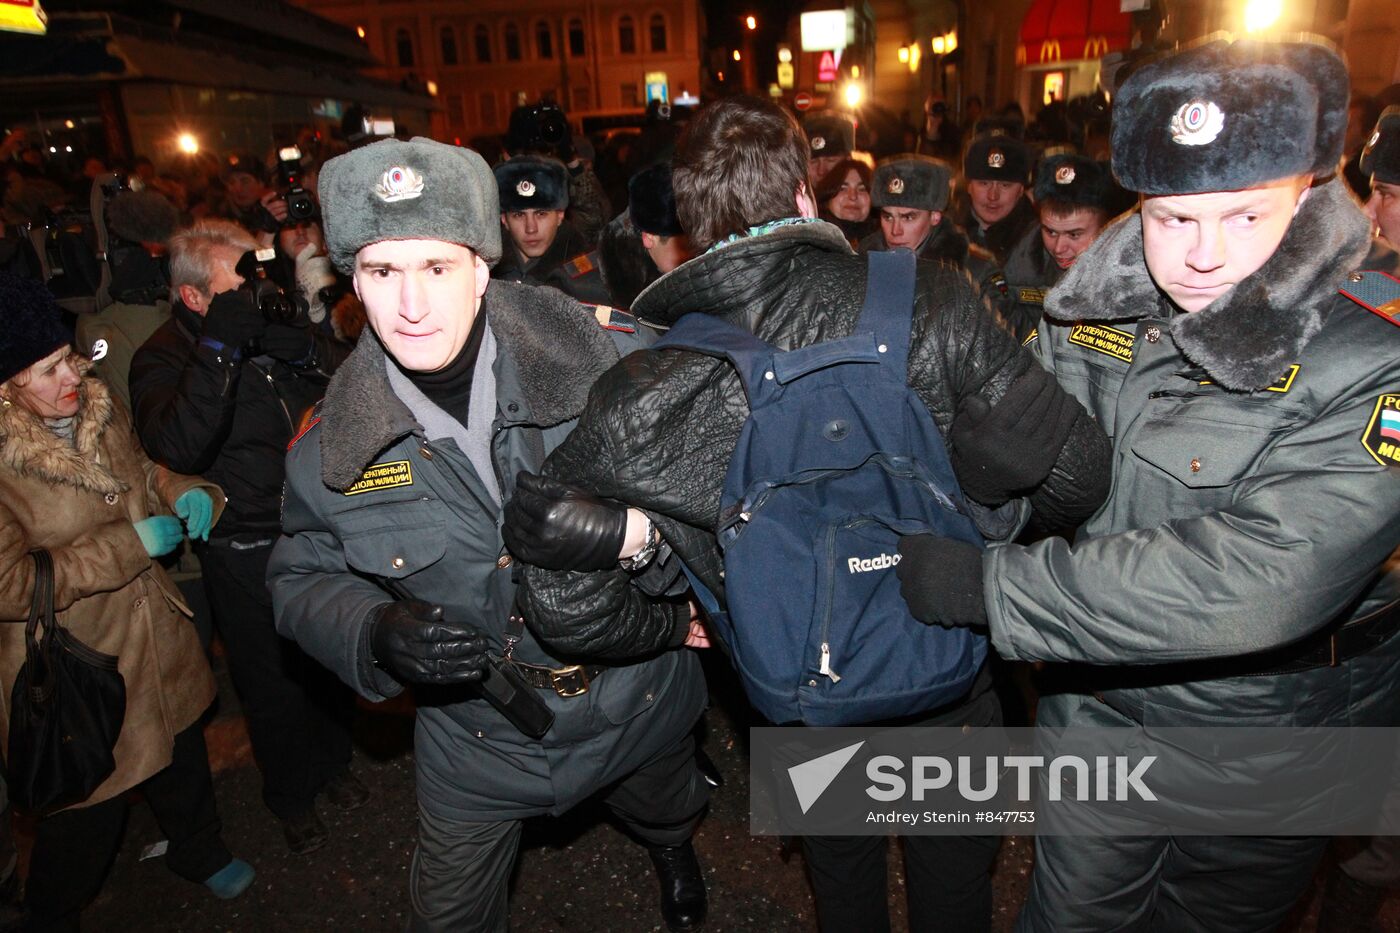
[(913, 181), (415, 190), (1381, 157), (1228, 115)]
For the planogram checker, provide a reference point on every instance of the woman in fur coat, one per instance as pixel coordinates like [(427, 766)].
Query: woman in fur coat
[(74, 481)]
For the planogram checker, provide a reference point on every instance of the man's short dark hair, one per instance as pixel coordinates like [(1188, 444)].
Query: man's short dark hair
[(738, 164)]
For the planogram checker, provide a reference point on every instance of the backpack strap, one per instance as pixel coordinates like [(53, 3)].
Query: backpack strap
[(707, 334), (888, 311)]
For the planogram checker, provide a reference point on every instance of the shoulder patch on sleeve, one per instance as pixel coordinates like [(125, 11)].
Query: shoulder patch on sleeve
[(308, 421), (1033, 336), (582, 264), (1377, 292), (1382, 435), (613, 319)]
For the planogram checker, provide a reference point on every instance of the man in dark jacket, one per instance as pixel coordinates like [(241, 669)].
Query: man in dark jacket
[(661, 428), (1072, 198), (1241, 573), (1380, 163), (995, 211), (543, 248), (911, 193), (392, 572), (218, 391)]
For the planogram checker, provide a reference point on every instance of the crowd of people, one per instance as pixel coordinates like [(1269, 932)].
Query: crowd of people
[(419, 438)]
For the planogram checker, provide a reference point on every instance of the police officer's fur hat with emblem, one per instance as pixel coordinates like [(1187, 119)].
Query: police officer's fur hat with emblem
[(1225, 115), (415, 190), (1380, 160), (829, 134), (1073, 179), (997, 156), (533, 183), (651, 202), (914, 181)]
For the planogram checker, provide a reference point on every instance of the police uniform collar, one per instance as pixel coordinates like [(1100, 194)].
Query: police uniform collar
[(1251, 333), (555, 347)]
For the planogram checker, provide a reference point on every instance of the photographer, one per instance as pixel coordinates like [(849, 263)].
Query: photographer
[(542, 129), (219, 391)]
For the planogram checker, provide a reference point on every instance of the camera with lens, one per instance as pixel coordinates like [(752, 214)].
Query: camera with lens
[(275, 305), (301, 206), (540, 128)]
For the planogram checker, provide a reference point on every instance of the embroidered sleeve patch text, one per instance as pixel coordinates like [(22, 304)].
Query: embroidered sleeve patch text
[(1101, 338), (383, 476)]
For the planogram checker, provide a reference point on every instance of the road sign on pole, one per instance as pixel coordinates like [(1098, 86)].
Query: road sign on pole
[(802, 100)]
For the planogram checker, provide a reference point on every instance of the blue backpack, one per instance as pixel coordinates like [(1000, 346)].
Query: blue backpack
[(838, 458)]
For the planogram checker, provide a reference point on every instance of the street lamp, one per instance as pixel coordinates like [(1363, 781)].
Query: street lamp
[(737, 56), (188, 144), (939, 45), (853, 94), (750, 22), (1261, 14)]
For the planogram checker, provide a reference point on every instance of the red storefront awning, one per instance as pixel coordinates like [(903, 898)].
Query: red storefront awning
[(1064, 30)]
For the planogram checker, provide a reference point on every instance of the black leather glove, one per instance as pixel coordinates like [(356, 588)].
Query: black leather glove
[(233, 319), (941, 580), (561, 527), (1001, 451), (286, 342), (411, 641)]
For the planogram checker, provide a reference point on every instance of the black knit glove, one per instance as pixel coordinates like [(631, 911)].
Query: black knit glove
[(1001, 451), (233, 319), (561, 527), (941, 580), (286, 342), (411, 641)]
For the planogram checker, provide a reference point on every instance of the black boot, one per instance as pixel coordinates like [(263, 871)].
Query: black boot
[(683, 901), (1348, 906)]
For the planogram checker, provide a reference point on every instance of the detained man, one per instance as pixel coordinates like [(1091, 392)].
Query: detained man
[(1240, 572)]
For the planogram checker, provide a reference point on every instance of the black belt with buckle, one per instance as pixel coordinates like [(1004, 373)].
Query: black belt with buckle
[(1349, 641), (570, 681)]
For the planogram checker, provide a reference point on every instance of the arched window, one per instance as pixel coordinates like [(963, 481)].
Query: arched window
[(483, 43), (657, 28), (403, 44), (544, 40), (577, 46), (512, 42), (449, 46), (626, 36)]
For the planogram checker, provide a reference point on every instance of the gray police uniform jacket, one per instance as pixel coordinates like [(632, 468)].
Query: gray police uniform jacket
[(384, 490), (1255, 503)]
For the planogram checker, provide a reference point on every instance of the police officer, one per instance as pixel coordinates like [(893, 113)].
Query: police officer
[(392, 572), (910, 195), (1072, 198), (831, 137), (1380, 161), (1222, 338), (543, 248), (995, 212)]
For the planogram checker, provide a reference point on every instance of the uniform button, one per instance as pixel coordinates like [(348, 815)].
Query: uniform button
[(503, 562), (1355, 277), (1154, 334), (512, 408), (1195, 464), (480, 734), (110, 498), (425, 453), (967, 730), (396, 563), (649, 698), (139, 603)]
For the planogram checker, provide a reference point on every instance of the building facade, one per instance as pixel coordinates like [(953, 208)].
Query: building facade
[(485, 58)]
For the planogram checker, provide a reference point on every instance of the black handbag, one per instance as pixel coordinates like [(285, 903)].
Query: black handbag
[(66, 710)]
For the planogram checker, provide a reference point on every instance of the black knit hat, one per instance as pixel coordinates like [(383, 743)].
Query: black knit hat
[(997, 157), (1228, 115), (651, 203), (528, 183), (1381, 157), (31, 325), (829, 134), (1073, 179)]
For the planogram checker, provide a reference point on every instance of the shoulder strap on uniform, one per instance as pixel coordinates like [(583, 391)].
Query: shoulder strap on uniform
[(582, 264), (1377, 292), (309, 420), (610, 318)]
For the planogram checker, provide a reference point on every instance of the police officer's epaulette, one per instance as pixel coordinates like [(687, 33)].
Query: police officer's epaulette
[(1377, 292), (613, 319), (308, 421), (582, 264)]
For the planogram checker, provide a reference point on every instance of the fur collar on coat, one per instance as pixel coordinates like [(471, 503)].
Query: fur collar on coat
[(557, 348), (28, 447), (1250, 334)]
